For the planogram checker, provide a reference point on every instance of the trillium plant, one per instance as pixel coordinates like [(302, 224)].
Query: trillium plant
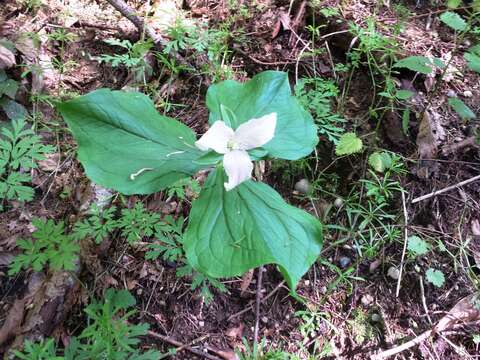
[(236, 223)]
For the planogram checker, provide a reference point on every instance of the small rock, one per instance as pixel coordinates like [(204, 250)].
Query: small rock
[(344, 261), (376, 317), (338, 203), (393, 272), (366, 299), (451, 93), (264, 319), (467, 93), (374, 266), (303, 186), (307, 282), (201, 323)]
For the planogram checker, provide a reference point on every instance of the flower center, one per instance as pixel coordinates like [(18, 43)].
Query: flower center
[(232, 145)]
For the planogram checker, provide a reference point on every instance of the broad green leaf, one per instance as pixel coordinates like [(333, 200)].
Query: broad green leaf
[(453, 4), (419, 64), (438, 63), (435, 277), (267, 92), (404, 94), (9, 88), (231, 232), (349, 144), (380, 161), (417, 246), (454, 21), (461, 109), (473, 58), (125, 144), (13, 109)]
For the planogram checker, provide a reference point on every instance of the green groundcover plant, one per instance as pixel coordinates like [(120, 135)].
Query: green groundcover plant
[(236, 224)]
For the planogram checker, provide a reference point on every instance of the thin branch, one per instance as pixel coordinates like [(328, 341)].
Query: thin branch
[(405, 240), (403, 347), (180, 346), (140, 24), (424, 300), (438, 192), (250, 305), (257, 307)]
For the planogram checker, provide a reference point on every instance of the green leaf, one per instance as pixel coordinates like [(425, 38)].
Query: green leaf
[(405, 121), (461, 109), (404, 94), (231, 232), (417, 246), (9, 88), (419, 64), (453, 4), (349, 144), (380, 161), (13, 110), (267, 92), (125, 144), (454, 21), (473, 58), (435, 277)]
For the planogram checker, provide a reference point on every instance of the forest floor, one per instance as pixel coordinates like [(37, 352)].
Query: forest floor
[(391, 268)]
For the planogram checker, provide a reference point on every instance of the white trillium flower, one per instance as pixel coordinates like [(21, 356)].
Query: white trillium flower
[(234, 145)]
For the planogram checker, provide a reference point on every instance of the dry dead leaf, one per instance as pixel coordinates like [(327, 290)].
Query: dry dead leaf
[(464, 311), (246, 281), (283, 21), (165, 14), (5, 258), (430, 135), (50, 162), (476, 227), (13, 320), (7, 58), (235, 332)]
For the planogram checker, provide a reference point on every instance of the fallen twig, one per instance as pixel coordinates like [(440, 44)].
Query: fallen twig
[(257, 306), (140, 24), (468, 142), (405, 240), (250, 306), (438, 192), (398, 349), (424, 300), (180, 346)]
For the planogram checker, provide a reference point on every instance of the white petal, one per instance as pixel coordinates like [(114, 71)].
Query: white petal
[(238, 167), (256, 132), (216, 138)]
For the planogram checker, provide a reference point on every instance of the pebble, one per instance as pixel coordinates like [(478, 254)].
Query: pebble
[(201, 323), (264, 319), (366, 299), (393, 272), (467, 93), (303, 186), (451, 93), (376, 317), (344, 261), (338, 203)]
